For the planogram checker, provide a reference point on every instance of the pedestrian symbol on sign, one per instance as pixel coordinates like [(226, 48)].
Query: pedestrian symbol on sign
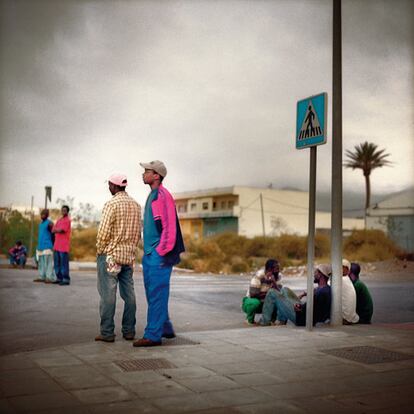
[(310, 126)]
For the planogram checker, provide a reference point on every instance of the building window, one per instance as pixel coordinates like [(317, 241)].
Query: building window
[(193, 206), (223, 205), (214, 205), (182, 208), (231, 204), (205, 206)]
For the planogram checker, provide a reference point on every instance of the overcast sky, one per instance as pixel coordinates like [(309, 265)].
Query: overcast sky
[(89, 88)]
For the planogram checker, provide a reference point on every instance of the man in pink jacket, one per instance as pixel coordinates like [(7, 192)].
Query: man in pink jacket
[(163, 244)]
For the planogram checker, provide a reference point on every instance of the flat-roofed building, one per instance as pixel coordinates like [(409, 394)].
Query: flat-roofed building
[(238, 209)]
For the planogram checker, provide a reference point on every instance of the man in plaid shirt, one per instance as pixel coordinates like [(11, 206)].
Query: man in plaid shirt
[(116, 244)]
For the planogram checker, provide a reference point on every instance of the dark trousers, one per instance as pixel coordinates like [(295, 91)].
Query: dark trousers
[(61, 260)]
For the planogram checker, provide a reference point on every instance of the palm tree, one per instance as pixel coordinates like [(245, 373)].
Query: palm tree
[(366, 157)]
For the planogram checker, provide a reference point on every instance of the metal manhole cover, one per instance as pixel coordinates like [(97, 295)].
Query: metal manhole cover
[(179, 340), (368, 354), (144, 364)]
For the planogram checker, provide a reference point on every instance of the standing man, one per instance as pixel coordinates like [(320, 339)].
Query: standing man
[(163, 244), (44, 249), (61, 247), (116, 246)]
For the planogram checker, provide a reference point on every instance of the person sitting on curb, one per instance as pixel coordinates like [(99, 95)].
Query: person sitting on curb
[(289, 306), (364, 304), (259, 286), (349, 301), (18, 255)]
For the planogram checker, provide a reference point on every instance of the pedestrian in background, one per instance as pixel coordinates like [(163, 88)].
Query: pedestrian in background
[(163, 244), (18, 255), (349, 301), (45, 249), (62, 230), (116, 245)]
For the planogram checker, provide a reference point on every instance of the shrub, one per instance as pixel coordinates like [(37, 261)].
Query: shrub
[(369, 245), (83, 244)]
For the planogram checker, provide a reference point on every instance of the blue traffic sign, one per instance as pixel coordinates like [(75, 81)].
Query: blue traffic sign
[(311, 121)]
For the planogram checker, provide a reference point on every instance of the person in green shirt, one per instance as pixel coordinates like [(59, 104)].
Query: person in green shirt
[(365, 306)]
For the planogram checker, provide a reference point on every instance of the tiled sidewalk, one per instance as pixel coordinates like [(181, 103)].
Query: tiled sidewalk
[(252, 370)]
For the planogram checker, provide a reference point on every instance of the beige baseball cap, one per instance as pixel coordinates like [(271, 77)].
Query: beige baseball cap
[(346, 263), (157, 166), (325, 269)]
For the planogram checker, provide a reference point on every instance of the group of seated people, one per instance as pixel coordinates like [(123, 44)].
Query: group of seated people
[(277, 304)]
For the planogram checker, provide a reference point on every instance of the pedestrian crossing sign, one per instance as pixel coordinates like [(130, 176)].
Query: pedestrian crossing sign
[(311, 121)]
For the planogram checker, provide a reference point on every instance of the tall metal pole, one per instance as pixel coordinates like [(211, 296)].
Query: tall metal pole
[(311, 237), (31, 227), (261, 208), (336, 218)]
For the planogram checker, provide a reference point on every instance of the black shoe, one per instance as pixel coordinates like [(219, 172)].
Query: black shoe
[(129, 336), (64, 283), (105, 338), (169, 336)]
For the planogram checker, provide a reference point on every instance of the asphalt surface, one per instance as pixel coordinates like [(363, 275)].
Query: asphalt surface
[(35, 316)]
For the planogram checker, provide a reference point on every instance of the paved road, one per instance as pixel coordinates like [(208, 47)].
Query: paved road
[(35, 316)]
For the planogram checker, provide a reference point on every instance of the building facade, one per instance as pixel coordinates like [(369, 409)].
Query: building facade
[(395, 217), (250, 212)]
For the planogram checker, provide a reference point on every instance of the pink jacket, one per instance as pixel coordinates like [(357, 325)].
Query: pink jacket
[(163, 210)]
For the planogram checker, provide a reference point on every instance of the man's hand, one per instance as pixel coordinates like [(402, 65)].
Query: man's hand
[(298, 307), (302, 295)]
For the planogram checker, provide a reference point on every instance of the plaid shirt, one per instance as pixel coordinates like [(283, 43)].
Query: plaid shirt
[(120, 229)]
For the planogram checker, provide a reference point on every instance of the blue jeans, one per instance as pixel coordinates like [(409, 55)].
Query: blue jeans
[(61, 260), (107, 286), (157, 290), (21, 261), (283, 302)]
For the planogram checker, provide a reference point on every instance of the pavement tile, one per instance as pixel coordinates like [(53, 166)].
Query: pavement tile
[(237, 396), (137, 377), (44, 401), (182, 403), (187, 372), (323, 405), (16, 361), (166, 388), (6, 408), (102, 395), (51, 361), (206, 384), (247, 380), (228, 369), (124, 407), (79, 409), (83, 381), (224, 410), (285, 407), (29, 386), (15, 374)]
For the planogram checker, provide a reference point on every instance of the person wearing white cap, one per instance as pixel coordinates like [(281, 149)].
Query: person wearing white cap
[(163, 244), (116, 246), (349, 300)]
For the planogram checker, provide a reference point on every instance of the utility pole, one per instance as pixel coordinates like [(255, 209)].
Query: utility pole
[(31, 227), (336, 215), (261, 208), (311, 237), (48, 194)]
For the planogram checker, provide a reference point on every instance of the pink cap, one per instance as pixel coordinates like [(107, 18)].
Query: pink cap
[(118, 179)]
